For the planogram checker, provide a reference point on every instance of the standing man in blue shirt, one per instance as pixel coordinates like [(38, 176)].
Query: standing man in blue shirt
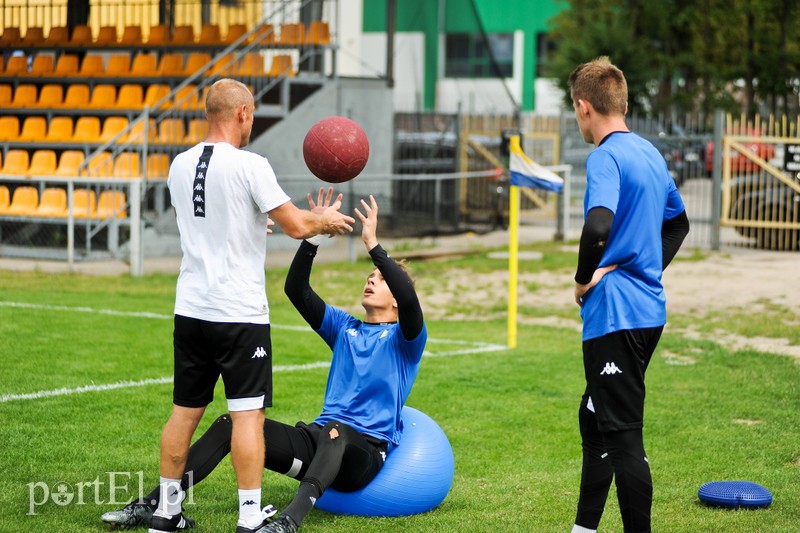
[(635, 222)]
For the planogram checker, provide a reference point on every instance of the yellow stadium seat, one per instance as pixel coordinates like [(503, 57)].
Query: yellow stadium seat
[(170, 65), (187, 98), (59, 130), (234, 32), (209, 34), (87, 130), (128, 165), (58, 35), (118, 65), (24, 201), (92, 66), (17, 162), (103, 97), (51, 96), (281, 65), (144, 65), (224, 66), (43, 65), (112, 126), (265, 35), (5, 94), (81, 35), (136, 134), (106, 35), (318, 33), (77, 96), (33, 36), (99, 166), (84, 203), (111, 204), (131, 35), (252, 64), (130, 97), (17, 66), (183, 35), (9, 128), (5, 198), (198, 128), (157, 166), (171, 131), (67, 65), (292, 34), (157, 36), (68, 163), (43, 163), (195, 61), (52, 204), (155, 93), (11, 37), (34, 129)]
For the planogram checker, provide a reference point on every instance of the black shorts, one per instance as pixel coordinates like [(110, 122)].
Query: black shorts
[(240, 353), (614, 366)]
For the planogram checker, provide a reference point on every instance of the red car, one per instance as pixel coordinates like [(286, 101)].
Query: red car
[(740, 163)]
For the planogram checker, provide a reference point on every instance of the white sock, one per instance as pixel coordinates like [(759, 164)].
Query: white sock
[(580, 529), (171, 497), (250, 508)]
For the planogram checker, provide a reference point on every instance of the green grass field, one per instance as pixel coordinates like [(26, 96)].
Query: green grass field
[(510, 415)]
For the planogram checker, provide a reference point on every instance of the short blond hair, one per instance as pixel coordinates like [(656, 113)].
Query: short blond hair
[(226, 96), (601, 84)]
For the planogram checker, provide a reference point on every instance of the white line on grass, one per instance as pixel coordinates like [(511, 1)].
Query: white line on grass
[(471, 347)]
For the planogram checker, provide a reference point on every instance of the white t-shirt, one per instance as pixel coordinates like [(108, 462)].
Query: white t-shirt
[(221, 205)]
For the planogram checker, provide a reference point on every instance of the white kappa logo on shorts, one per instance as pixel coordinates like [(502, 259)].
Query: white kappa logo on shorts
[(260, 352), (611, 368)]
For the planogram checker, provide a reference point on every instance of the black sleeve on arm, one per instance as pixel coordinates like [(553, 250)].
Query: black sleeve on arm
[(673, 231), (594, 238), (409, 310), (298, 288)]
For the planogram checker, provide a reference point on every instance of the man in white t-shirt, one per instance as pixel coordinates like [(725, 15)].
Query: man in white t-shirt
[(223, 197)]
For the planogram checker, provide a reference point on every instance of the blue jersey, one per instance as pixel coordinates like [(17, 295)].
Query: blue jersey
[(627, 175), (375, 368)]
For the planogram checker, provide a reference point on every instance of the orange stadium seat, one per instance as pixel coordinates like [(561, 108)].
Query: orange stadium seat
[(155, 93), (144, 65), (157, 36), (69, 162), (128, 165), (195, 61), (130, 97), (43, 65), (84, 203), (91, 67), (118, 65), (209, 34), (234, 32), (34, 129), (292, 34), (266, 36), (11, 37), (104, 96), (77, 96), (58, 35), (157, 166), (87, 130), (170, 65), (112, 126), (131, 35), (136, 134), (5, 198), (224, 66), (16, 162), (171, 131), (183, 35), (111, 203), (24, 201), (81, 35), (33, 36), (9, 128), (100, 166), (318, 33), (51, 96), (53, 203), (59, 130), (43, 163), (198, 128), (187, 98), (17, 66), (106, 35), (281, 65), (67, 65), (5, 94), (252, 64)]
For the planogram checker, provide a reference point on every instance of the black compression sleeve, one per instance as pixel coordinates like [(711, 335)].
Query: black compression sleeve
[(298, 288), (594, 238), (408, 308), (673, 231)]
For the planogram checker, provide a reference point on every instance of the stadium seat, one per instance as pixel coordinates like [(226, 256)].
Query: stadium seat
[(265, 36), (136, 134), (67, 65), (183, 35), (24, 201), (112, 126), (155, 93), (51, 96), (170, 131), (198, 128), (103, 97), (87, 130), (107, 35), (130, 97), (144, 65), (43, 163), (52, 204), (11, 37), (281, 65), (131, 35), (68, 163), (59, 130), (9, 128), (318, 33), (81, 35), (42, 65), (84, 203), (58, 36), (77, 96), (187, 98), (128, 165), (34, 129), (196, 61), (91, 67), (209, 34), (5, 198), (157, 166), (223, 66), (118, 65), (157, 36), (33, 36), (252, 64), (170, 65), (16, 162), (17, 66), (5, 94), (234, 32), (292, 34), (99, 166), (111, 203)]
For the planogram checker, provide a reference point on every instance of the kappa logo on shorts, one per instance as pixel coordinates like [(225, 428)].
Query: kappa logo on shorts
[(611, 368), (260, 352)]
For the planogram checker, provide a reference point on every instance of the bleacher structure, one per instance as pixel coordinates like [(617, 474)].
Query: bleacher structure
[(90, 119)]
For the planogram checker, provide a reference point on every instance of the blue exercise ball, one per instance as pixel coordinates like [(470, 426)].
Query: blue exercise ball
[(415, 478)]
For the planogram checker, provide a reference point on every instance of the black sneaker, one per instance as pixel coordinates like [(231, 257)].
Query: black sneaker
[(134, 514), (164, 524), (266, 513), (282, 524)]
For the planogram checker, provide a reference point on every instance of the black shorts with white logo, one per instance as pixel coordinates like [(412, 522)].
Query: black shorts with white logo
[(241, 353), (614, 366)]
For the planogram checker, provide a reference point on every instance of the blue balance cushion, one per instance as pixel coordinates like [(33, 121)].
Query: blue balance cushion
[(735, 494)]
